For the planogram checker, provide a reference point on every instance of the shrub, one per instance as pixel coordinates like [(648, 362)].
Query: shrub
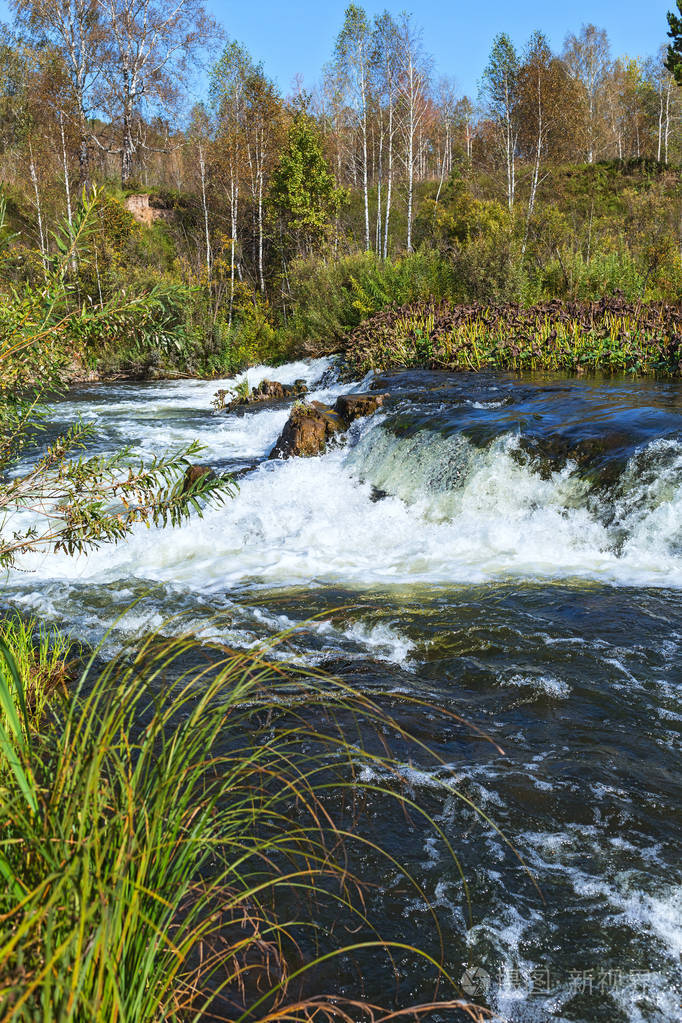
[(329, 298)]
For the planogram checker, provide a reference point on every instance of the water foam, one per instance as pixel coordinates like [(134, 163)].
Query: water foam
[(171, 414), (539, 683)]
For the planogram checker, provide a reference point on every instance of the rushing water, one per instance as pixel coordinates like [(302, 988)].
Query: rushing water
[(510, 549)]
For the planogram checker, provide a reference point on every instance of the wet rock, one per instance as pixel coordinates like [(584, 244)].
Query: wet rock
[(234, 404), (269, 389), (334, 421), (307, 431), (194, 473), (310, 426), (355, 406)]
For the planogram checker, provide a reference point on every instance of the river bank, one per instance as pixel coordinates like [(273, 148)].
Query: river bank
[(608, 336), (611, 336)]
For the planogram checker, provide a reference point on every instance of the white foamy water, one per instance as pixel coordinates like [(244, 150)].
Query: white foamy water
[(453, 513), (171, 414), (541, 683)]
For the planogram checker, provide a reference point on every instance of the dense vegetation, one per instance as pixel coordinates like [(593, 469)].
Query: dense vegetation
[(611, 336)]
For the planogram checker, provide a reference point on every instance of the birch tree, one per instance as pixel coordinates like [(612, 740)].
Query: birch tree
[(75, 28), (228, 87), (546, 96), (385, 50), (333, 120), (200, 133), (263, 134), (352, 60), (587, 57), (662, 85), (501, 85), (151, 48), (465, 125), (447, 118), (412, 94)]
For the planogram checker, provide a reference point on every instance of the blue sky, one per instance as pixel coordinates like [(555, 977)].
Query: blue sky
[(298, 37)]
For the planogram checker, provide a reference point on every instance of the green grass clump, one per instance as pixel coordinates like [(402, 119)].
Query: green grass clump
[(42, 659), (167, 840)]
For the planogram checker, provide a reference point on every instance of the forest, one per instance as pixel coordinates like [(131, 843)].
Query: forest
[(223, 220)]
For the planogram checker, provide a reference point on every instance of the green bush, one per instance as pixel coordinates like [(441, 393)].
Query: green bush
[(570, 275), (329, 297)]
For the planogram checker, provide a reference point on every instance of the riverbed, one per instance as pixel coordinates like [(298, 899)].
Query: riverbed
[(507, 548)]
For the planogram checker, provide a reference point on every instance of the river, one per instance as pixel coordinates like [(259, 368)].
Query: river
[(507, 548)]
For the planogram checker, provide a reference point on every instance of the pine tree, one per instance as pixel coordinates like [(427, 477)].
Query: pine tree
[(303, 189), (674, 58)]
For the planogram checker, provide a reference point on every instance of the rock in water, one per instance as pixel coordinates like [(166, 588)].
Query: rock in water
[(194, 473), (309, 427), (355, 406), (267, 390), (331, 417), (305, 432)]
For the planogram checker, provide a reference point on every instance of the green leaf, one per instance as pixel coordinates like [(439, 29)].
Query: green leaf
[(10, 877), (16, 678), (7, 705), (9, 744)]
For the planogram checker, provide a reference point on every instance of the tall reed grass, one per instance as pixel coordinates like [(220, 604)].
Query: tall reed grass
[(42, 657), (168, 842)]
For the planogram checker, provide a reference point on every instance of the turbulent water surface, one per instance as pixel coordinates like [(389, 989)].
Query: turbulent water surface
[(509, 549)]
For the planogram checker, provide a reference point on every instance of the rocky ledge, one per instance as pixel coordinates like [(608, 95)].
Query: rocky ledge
[(265, 391), (310, 426)]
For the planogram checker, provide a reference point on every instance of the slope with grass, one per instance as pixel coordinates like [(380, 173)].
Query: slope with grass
[(611, 336)]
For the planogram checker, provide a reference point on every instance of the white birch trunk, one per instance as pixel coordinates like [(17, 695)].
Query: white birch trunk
[(202, 171), (39, 209)]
